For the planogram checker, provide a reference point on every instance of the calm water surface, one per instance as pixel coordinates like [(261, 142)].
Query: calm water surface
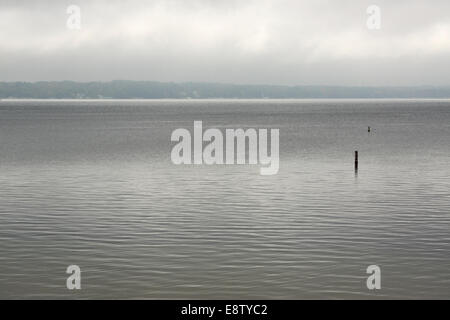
[(92, 184)]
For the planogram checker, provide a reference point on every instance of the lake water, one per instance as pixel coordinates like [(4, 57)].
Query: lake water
[(91, 183)]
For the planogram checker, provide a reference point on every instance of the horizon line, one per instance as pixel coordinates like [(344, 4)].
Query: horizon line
[(237, 84)]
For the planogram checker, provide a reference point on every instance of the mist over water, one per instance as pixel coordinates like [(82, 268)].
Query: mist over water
[(91, 183)]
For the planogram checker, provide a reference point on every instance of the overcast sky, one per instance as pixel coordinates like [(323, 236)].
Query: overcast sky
[(294, 42)]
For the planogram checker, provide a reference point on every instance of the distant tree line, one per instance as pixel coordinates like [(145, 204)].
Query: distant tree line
[(168, 90)]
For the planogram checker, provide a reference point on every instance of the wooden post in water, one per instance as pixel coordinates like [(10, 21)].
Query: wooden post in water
[(356, 160)]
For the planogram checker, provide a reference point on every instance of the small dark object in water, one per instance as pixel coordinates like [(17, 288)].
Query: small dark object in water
[(356, 160), (368, 129)]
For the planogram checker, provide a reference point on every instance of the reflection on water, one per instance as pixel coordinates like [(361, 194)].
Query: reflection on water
[(92, 184)]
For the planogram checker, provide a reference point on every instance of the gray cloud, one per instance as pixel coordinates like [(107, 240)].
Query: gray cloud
[(264, 41)]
